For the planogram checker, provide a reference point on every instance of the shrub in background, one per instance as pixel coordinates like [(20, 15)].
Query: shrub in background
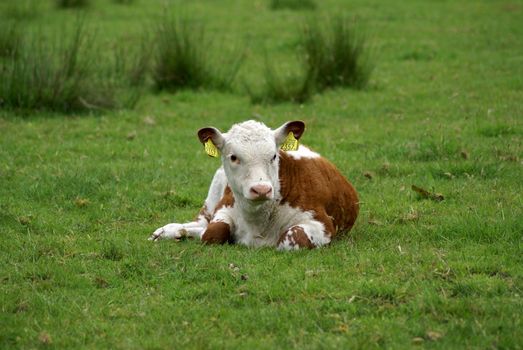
[(180, 55), (63, 75), (336, 55), (10, 38), (183, 58), (72, 3), (138, 63), (294, 87), (51, 76), (22, 9), (292, 4), (129, 70), (330, 55)]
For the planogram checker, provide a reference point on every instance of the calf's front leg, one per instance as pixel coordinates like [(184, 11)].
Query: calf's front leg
[(178, 231)]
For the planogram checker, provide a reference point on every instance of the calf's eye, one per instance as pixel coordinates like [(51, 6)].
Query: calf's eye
[(233, 158), (273, 158)]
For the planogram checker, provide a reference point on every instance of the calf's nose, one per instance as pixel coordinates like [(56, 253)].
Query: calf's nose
[(261, 191)]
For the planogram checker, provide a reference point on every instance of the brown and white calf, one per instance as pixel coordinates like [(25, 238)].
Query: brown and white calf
[(264, 196)]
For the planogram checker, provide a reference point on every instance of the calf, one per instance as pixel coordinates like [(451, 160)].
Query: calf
[(269, 191)]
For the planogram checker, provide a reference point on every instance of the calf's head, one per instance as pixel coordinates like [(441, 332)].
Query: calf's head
[(250, 157)]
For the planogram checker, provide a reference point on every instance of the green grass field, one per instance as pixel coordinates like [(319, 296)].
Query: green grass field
[(81, 193)]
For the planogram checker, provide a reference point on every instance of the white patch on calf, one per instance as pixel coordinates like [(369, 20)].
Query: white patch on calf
[(315, 232), (303, 152), (226, 215), (288, 244), (216, 190), (264, 227)]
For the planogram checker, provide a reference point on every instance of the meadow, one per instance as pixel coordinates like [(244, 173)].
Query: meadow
[(83, 183)]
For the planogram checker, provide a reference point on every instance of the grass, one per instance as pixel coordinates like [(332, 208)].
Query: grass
[(79, 195)]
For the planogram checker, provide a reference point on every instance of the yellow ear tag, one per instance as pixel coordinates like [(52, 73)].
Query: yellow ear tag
[(211, 149), (290, 143)]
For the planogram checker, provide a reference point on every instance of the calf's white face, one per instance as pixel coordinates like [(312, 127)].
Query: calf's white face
[(249, 153)]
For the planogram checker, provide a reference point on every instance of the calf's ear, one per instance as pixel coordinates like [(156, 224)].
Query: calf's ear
[(212, 140), (288, 134)]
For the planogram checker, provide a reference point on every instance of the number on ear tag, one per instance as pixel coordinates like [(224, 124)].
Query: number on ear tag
[(211, 149), (290, 143)]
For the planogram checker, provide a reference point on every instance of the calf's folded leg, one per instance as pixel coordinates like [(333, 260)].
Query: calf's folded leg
[(308, 235)]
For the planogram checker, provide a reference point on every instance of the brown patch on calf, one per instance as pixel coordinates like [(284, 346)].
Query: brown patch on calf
[(296, 237), (315, 184), (227, 200), (217, 233), (204, 212)]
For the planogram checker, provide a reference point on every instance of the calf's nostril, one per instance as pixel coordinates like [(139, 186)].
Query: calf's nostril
[(261, 190)]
